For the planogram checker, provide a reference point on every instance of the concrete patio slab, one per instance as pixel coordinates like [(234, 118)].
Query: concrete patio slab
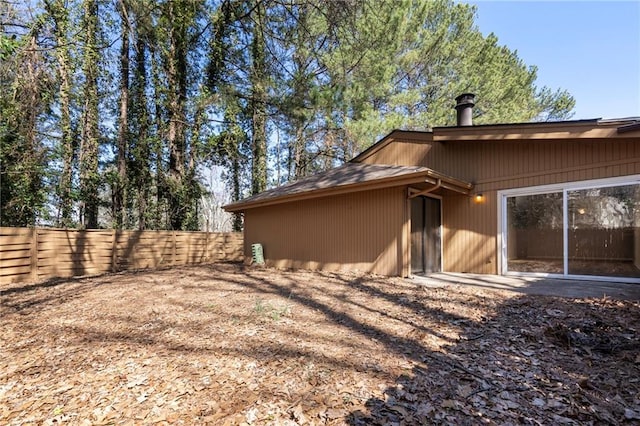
[(534, 285)]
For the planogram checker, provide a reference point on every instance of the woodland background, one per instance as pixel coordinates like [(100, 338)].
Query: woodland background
[(119, 113)]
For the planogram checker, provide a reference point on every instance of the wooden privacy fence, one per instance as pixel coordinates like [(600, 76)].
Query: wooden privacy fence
[(34, 254)]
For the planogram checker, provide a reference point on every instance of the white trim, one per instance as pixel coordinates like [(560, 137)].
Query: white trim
[(441, 232), (575, 185), (565, 233), (501, 238)]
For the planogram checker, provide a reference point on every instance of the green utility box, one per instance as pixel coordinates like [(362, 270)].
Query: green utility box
[(258, 256)]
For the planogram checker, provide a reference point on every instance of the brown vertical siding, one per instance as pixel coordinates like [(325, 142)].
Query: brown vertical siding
[(370, 230), (497, 164), (470, 229), (362, 231), (401, 153), (469, 234), (516, 165)]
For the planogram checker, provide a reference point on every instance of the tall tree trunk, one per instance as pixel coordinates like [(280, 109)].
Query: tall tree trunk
[(89, 178), (300, 153), (259, 102), (192, 186), (33, 178), (176, 96), (22, 160), (158, 216), (141, 150), (235, 171), (119, 192), (60, 15)]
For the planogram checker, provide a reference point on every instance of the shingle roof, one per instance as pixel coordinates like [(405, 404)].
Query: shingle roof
[(348, 177)]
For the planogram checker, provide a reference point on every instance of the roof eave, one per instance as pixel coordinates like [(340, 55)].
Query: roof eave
[(428, 176), (633, 127), (577, 129)]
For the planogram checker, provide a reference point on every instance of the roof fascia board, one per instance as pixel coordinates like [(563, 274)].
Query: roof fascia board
[(634, 127), (592, 122), (527, 133)]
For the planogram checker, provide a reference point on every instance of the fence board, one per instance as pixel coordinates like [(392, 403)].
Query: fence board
[(28, 254), (73, 239), (16, 254), (17, 270), (5, 247), (16, 232), (48, 251), (75, 242), (75, 259), (19, 261)]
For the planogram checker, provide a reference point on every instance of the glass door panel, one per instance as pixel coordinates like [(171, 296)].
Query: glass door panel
[(425, 235), (603, 233), (535, 233)]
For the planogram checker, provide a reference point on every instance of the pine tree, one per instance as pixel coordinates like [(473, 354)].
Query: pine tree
[(119, 207), (60, 18), (258, 99), (89, 174), (25, 97)]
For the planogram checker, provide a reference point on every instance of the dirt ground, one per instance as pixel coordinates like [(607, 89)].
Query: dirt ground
[(228, 344)]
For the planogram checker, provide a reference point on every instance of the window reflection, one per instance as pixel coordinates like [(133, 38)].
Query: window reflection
[(603, 234), (534, 235)]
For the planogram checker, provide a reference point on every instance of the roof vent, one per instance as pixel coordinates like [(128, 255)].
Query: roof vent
[(464, 108)]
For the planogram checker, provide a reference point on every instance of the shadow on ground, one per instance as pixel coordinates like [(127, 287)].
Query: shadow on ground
[(542, 360), (314, 347)]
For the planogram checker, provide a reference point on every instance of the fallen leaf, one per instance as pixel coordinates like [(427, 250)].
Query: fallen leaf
[(335, 413), (298, 415), (449, 403), (630, 414), (539, 402)]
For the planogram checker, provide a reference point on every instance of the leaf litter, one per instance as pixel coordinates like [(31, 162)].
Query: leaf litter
[(227, 344)]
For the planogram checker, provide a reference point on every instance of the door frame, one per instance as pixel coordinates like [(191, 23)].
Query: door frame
[(440, 229), (544, 189)]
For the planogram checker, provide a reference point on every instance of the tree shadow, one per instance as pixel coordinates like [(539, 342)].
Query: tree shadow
[(537, 360), (25, 298), (525, 360)]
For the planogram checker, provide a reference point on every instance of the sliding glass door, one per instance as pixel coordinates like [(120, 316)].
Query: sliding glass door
[(534, 233), (584, 229)]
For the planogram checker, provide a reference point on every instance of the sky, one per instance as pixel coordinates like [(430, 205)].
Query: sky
[(589, 48)]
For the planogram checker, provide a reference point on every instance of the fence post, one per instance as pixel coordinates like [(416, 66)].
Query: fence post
[(34, 254), (207, 247), (114, 246), (173, 248)]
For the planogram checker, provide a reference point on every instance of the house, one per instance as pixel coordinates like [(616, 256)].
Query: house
[(556, 199)]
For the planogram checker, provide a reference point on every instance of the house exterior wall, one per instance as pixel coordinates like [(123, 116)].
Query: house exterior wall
[(470, 229), (469, 234), (363, 231), (401, 153)]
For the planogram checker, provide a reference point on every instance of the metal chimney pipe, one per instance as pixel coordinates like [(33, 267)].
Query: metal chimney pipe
[(464, 109)]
